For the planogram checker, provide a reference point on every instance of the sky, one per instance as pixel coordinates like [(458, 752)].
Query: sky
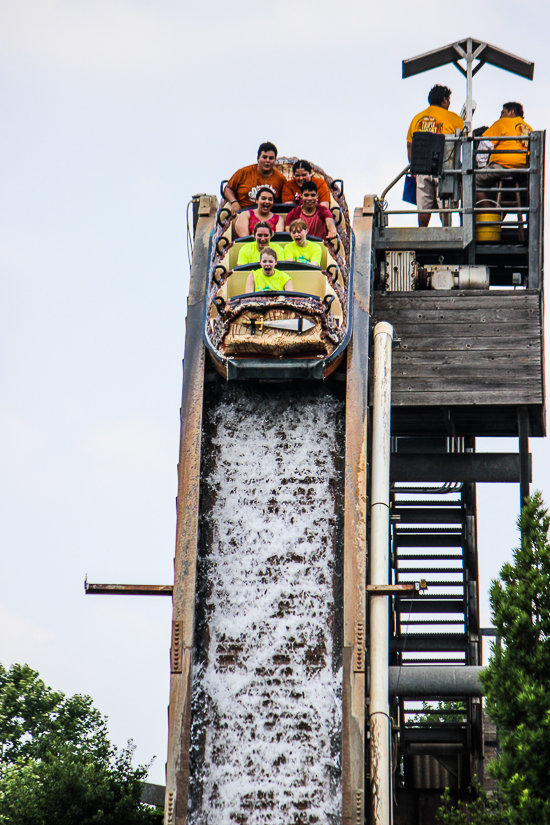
[(114, 113)]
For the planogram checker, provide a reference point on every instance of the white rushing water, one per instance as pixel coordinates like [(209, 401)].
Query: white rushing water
[(267, 694)]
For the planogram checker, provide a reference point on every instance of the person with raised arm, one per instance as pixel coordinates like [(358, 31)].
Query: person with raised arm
[(247, 220), (292, 190), (318, 219), (268, 278), (240, 190), (249, 253)]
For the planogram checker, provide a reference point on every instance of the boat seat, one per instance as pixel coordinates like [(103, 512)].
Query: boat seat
[(310, 280), (281, 238)]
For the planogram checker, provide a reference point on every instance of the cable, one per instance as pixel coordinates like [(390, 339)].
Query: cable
[(189, 237)]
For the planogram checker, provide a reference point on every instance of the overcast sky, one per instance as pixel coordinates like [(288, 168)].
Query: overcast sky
[(114, 113)]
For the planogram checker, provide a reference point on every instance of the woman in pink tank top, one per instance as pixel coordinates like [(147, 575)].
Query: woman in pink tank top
[(246, 221)]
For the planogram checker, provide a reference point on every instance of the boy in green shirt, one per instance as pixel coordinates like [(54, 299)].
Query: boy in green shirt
[(268, 278), (301, 249)]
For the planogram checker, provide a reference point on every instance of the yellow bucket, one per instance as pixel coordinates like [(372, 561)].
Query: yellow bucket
[(488, 233)]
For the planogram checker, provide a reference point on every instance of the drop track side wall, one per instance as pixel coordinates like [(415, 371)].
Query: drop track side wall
[(267, 701)]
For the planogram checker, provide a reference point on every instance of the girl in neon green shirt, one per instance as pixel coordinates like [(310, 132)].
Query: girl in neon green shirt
[(268, 278)]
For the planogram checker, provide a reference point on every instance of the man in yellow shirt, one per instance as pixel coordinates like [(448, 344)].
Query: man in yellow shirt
[(510, 124), (440, 121), (250, 252), (268, 278)]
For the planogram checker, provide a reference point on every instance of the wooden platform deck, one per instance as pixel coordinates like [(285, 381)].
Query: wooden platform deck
[(480, 350)]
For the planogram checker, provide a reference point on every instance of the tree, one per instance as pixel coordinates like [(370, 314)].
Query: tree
[(517, 686), (517, 680), (57, 763), (484, 810)]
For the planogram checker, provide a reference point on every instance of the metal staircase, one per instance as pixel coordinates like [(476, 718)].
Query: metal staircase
[(434, 539)]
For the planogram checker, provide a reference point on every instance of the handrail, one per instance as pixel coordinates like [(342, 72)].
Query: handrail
[(394, 181)]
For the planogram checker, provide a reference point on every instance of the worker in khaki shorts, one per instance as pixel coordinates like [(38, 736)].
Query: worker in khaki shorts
[(440, 121)]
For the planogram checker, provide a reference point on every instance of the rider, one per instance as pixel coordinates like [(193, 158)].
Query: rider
[(241, 188), (268, 278), (302, 250), (249, 253)]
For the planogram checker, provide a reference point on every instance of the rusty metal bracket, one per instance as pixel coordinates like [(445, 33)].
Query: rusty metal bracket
[(359, 663), (176, 651), (396, 589), (127, 589)]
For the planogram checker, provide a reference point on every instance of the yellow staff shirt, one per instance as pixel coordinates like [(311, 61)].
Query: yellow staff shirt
[(509, 126), (435, 119)]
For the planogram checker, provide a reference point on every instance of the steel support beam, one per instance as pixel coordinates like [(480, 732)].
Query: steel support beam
[(435, 681), (480, 467), (128, 589), (524, 455)]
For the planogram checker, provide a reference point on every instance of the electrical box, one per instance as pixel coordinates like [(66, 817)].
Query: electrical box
[(427, 154)]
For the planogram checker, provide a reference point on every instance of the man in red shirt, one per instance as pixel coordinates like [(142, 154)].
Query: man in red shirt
[(318, 218), (241, 188)]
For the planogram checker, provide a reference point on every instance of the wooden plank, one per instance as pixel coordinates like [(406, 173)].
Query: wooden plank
[(468, 357), (478, 373), (527, 395), (460, 315), (440, 299), (509, 331), (421, 343), (461, 383)]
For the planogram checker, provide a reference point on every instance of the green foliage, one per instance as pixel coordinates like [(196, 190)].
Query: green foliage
[(517, 686), (517, 680), (484, 810), (440, 713), (56, 761)]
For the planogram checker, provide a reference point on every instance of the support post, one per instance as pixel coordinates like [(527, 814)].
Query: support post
[(524, 457), (355, 527), (187, 504), (380, 734)]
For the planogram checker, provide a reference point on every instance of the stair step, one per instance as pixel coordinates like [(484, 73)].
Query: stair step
[(428, 539), (436, 556), (429, 642), (419, 515), (432, 621), (450, 604), (427, 503), (430, 570), (433, 662), (435, 583)]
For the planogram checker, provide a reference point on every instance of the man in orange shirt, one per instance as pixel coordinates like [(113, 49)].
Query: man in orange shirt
[(241, 188), (510, 123), (439, 120)]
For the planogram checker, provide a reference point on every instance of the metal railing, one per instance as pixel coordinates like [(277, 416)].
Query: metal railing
[(467, 196)]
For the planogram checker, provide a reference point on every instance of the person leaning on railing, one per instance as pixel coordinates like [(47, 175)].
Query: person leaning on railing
[(438, 119), (510, 124)]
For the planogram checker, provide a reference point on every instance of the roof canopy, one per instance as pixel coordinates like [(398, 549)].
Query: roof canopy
[(474, 50)]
